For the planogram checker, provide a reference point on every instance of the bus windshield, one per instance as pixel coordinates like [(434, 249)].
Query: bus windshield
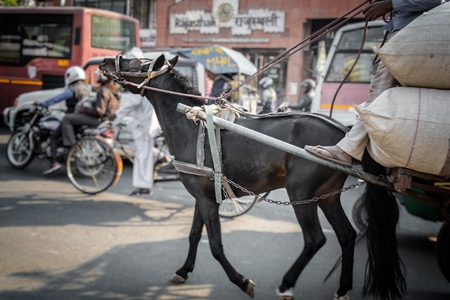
[(346, 53), (113, 34), (338, 100)]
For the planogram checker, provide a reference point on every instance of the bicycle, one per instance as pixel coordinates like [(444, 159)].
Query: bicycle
[(93, 164)]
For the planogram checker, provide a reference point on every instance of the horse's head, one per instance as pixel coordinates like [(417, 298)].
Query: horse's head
[(136, 70)]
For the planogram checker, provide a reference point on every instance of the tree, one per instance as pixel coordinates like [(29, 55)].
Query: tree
[(8, 3)]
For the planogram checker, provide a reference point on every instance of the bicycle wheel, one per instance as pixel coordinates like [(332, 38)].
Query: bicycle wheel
[(93, 166), (235, 207)]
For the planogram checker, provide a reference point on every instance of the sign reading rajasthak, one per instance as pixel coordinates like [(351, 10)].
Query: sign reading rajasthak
[(225, 15)]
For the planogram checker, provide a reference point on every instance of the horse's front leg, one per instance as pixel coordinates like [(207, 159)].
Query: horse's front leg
[(210, 213), (194, 238)]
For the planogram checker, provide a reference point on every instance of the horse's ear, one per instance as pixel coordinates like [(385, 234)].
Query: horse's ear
[(159, 62), (173, 61)]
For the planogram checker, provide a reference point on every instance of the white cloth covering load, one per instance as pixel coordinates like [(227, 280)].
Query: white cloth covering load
[(419, 54), (410, 128)]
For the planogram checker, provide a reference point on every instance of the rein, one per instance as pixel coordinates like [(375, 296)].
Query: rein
[(118, 75), (306, 42)]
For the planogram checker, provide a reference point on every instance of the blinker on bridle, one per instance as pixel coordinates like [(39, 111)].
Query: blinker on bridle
[(118, 75)]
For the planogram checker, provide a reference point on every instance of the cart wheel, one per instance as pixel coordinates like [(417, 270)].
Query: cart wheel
[(443, 250), (359, 214), (234, 207)]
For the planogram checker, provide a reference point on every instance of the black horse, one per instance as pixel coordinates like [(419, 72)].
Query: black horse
[(261, 168)]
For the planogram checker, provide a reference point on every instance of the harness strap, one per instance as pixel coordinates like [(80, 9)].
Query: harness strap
[(200, 156), (199, 168), (192, 169), (214, 154), (152, 74)]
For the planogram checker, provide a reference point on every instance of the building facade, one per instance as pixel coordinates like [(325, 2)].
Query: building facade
[(260, 29)]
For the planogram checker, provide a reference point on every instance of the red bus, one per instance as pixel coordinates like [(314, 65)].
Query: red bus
[(38, 44)]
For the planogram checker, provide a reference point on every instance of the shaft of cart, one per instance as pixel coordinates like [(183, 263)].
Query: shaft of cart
[(281, 145)]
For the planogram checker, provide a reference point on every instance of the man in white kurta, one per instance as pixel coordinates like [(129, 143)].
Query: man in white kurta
[(144, 129)]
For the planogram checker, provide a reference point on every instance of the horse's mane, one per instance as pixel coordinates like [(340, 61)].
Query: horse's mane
[(185, 86)]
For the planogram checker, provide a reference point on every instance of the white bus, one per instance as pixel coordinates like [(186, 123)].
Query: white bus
[(340, 58)]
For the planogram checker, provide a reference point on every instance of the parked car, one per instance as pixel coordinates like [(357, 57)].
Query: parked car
[(17, 115)]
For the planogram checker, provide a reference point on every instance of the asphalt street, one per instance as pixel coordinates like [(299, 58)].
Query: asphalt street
[(57, 243)]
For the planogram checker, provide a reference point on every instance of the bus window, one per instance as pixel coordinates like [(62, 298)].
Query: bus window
[(10, 41), (362, 72), (346, 53), (46, 36), (114, 34)]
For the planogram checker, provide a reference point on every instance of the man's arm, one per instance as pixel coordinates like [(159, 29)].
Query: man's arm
[(378, 9), (66, 94), (415, 5)]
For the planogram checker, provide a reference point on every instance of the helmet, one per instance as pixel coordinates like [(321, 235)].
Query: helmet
[(100, 77), (266, 82), (135, 52), (73, 74), (309, 84)]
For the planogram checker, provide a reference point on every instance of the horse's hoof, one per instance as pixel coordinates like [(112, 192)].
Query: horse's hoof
[(345, 297), (250, 288), (286, 295), (177, 279)]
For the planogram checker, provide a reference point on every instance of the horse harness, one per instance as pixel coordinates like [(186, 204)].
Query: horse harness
[(222, 109)]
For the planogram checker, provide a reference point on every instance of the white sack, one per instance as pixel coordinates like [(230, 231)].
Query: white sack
[(419, 54), (410, 128)]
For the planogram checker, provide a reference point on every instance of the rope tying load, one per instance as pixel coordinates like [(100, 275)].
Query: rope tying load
[(223, 111)]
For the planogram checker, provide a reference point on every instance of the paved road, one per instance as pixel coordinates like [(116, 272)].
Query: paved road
[(57, 243)]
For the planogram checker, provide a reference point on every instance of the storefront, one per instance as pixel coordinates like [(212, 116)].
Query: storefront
[(261, 30)]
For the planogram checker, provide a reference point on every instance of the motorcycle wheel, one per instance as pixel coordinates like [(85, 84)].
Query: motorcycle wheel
[(19, 150)]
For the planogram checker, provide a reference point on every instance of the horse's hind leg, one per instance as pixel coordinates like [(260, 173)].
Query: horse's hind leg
[(194, 238), (346, 236), (210, 213), (314, 239)]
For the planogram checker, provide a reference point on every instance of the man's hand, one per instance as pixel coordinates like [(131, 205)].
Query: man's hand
[(377, 9)]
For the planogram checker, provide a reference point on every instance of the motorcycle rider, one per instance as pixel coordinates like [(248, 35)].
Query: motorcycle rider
[(269, 95), (104, 108), (308, 92), (75, 90)]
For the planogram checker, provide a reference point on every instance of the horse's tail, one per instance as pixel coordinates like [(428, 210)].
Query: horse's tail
[(384, 270)]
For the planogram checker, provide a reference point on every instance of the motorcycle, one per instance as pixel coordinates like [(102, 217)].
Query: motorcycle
[(33, 138)]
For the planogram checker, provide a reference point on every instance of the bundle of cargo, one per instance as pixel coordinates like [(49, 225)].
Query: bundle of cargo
[(419, 54), (410, 128)]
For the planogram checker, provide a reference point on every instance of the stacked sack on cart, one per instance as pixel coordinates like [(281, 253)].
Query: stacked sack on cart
[(409, 126)]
